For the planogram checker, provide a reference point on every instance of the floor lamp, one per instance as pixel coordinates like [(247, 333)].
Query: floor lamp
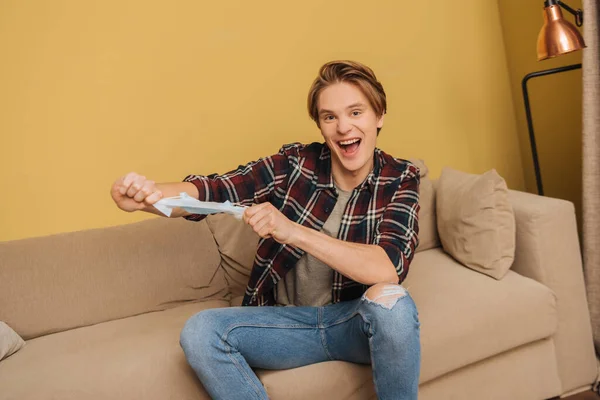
[(557, 37)]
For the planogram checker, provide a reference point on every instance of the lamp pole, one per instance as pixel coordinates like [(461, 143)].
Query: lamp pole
[(534, 154)]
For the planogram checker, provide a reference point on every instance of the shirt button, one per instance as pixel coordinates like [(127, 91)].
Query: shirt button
[(326, 209)]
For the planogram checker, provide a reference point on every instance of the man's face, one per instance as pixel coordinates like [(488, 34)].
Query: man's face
[(349, 125)]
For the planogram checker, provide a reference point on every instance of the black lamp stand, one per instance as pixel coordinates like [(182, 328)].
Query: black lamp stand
[(536, 164)]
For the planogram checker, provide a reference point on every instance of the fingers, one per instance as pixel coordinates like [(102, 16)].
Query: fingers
[(253, 210), (146, 190), (127, 180), (153, 198), (139, 188), (265, 227), (261, 218), (256, 213), (136, 185)]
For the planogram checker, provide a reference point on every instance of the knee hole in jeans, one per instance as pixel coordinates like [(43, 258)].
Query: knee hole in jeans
[(385, 294)]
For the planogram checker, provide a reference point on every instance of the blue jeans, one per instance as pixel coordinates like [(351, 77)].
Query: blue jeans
[(223, 345)]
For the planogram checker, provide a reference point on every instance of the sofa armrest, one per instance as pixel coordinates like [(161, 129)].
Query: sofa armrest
[(548, 251)]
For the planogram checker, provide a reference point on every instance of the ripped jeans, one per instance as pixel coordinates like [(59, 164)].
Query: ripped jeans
[(381, 328)]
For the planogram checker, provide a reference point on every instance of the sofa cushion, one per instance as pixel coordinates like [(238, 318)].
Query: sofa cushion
[(10, 342), (475, 220), (332, 380), (53, 283), (133, 358), (428, 233), (237, 243), (527, 372), (467, 317)]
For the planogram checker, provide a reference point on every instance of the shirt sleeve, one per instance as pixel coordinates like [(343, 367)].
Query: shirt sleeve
[(249, 184), (398, 229)]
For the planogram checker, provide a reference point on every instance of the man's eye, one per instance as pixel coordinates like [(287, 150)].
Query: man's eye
[(329, 118), (356, 113)]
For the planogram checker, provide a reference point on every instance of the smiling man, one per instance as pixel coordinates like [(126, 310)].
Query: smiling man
[(338, 226)]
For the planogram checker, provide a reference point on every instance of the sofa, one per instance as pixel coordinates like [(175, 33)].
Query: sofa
[(101, 312)]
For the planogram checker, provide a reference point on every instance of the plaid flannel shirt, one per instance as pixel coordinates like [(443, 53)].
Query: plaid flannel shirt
[(382, 211)]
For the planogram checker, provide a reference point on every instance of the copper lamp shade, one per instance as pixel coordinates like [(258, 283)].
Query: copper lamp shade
[(558, 36)]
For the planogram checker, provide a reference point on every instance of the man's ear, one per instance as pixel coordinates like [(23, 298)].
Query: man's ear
[(380, 121)]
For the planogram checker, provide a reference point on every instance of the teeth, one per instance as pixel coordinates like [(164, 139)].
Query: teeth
[(347, 142)]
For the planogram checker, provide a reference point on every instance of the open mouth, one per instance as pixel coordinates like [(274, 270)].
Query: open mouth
[(349, 146)]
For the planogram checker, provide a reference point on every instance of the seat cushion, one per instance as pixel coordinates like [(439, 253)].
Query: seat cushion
[(467, 316), (332, 380), (527, 372), (133, 358)]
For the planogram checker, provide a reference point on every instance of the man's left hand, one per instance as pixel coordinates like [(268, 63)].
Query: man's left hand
[(268, 221)]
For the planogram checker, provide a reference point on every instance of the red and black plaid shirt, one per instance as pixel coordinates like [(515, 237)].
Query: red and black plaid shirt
[(383, 210)]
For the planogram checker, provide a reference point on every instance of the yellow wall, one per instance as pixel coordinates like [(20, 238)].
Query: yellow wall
[(92, 90), (555, 102)]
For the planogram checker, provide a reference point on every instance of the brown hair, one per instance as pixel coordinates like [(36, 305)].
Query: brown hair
[(352, 72)]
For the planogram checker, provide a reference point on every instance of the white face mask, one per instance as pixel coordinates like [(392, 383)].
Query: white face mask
[(194, 206)]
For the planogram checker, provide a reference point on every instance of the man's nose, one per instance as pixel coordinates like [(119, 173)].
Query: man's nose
[(343, 126)]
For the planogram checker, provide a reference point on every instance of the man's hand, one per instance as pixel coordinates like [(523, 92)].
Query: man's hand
[(268, 221), (134, 192)]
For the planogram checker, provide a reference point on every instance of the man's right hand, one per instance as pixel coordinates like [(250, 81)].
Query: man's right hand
[(133, 192)]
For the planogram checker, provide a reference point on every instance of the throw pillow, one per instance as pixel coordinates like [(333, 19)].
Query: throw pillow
[(10, 341), (475, 221)]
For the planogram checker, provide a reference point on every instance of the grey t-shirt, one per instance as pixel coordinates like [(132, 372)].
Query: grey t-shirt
[(310, 282)]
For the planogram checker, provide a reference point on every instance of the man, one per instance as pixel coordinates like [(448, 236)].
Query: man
[(338, 226)]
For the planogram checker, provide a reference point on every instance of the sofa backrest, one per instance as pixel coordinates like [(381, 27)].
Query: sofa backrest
[(54, 283)]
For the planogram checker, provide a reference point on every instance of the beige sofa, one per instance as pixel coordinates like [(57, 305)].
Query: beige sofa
[(101, 312)]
